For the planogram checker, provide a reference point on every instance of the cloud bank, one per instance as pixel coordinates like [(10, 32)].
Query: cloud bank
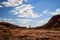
[(22, 10), (12, 3), (25, 10)]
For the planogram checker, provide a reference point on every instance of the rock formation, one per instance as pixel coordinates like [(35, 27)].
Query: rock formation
[(53, 23)]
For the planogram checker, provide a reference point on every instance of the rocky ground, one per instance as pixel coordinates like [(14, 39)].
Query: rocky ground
[(41, 34), (15, 34)]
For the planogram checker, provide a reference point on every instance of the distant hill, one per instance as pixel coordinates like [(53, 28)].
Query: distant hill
[(11, 26), (53, 23)]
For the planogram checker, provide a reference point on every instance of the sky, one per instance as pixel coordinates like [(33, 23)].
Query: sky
[(28, 12)]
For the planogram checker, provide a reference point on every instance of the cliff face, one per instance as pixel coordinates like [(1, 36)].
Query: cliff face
[(53, 23)]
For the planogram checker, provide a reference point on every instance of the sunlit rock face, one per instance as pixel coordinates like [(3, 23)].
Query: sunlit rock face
[(57, 24), (53, 23), (13, 32)]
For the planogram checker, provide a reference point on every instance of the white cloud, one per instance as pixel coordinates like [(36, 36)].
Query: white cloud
[(56, 12), (5, 19), (25, 10), (23, 22), (12, 3), (46, 11), (1, 6)]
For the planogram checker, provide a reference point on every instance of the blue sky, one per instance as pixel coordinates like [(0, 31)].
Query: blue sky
[(28, 12)]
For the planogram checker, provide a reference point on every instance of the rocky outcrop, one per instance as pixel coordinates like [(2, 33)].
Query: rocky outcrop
[(53, 23), (11, 26)]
